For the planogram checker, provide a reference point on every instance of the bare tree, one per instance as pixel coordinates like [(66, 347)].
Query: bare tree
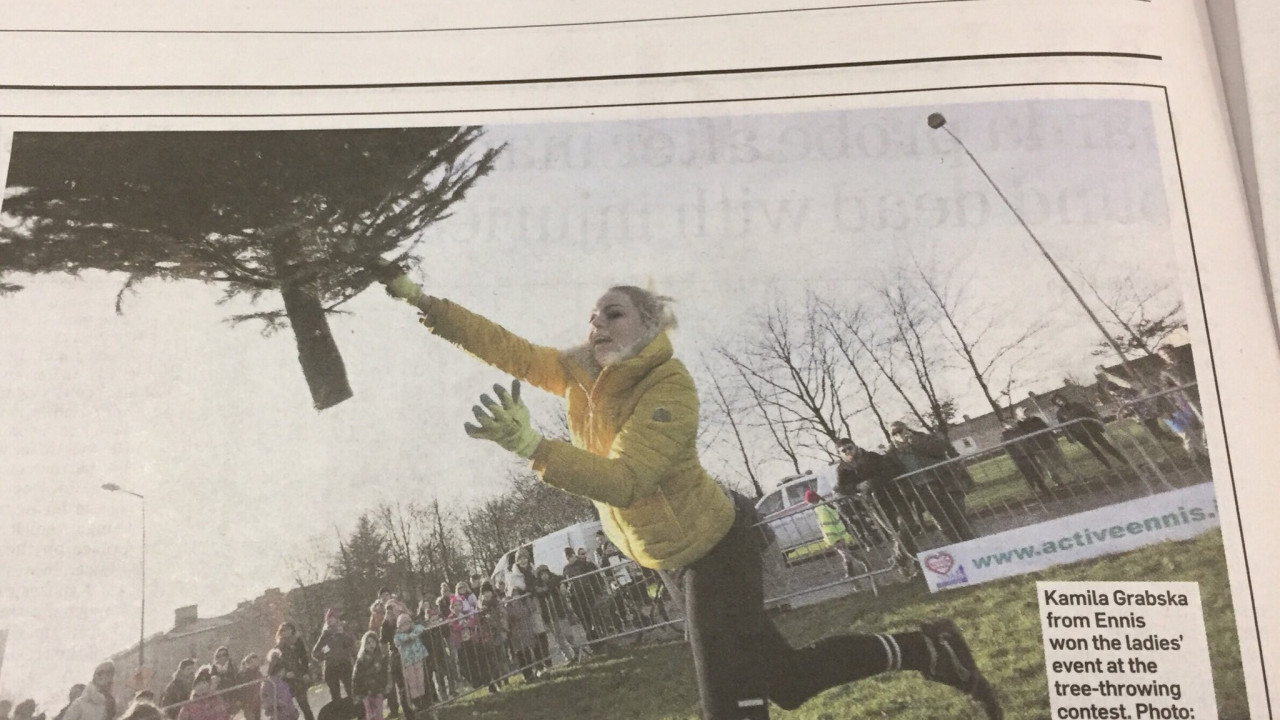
[(309, 565), (442, 550), (915, 341), (733, 414), (990, 356), (401, 527), (1142, 313), (769, 412), (850, 334), (792, 372)]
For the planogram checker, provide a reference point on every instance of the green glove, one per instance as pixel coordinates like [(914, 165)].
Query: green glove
[(397, 283), (506, 422), (402, 287)]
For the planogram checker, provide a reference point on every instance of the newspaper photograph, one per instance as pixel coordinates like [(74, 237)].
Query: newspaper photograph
[(899, 405)]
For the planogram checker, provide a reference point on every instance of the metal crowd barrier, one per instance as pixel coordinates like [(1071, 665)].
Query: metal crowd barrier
[(1065, 469), (621, 605)]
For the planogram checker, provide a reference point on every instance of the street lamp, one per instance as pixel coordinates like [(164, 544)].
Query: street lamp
[(142, 621), (938, 122)]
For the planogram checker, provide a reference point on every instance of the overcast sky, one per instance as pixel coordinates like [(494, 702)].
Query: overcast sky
[(214, 424)]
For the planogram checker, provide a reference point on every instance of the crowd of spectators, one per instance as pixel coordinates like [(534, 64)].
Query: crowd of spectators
[(473, 635)]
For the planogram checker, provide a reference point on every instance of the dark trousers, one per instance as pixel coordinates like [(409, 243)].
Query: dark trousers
[(337, 675), (741, 660), (946, 505), (398, 696), (299, 690), (1096, 442)]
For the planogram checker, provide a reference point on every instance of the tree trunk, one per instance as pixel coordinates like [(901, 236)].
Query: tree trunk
[(322, 364)]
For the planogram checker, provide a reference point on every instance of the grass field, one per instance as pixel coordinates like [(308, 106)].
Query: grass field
[(1000, 620)]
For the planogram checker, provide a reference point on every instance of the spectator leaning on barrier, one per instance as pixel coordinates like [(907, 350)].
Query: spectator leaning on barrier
[(413, 658), (1134, 400), (550, 592), (492, 616), (633, 419), (941, 490), (1179, 371), (225, 673), (524, 619), (869, 482), (179, 687), (437, 664), (96, 702), (1022, 455), (1184, 420), (464, 634), (1042, 446), (1084, 426), (583, 590), (834, 532)]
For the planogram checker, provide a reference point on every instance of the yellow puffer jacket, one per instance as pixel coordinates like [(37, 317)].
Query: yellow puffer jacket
[(634, 428)]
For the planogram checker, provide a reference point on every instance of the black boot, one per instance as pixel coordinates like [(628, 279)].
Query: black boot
[(951, 663)]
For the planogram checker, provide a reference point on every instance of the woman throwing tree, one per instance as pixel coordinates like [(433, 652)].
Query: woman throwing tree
[(633, 415)]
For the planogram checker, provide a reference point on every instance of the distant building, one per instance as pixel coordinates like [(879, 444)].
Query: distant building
[(249, 628), (975, 434)]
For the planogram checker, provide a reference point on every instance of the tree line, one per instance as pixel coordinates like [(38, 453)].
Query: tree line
[(785, 389), (414, 545)]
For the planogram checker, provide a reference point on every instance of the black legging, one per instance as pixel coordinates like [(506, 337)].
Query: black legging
[(337, 675), (299, 690), (741, 660), (1096, 442)]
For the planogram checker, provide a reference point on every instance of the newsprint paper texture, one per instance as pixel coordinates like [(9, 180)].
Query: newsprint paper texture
[(1034, 254)]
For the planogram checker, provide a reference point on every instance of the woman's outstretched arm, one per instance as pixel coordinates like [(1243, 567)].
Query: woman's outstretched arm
[(541, 366)]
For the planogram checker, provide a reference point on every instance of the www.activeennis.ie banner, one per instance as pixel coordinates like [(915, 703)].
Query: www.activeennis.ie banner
[(1174, 515)]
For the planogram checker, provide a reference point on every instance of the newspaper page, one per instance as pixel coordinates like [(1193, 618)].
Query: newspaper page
[(1256, 61), (967, 411)]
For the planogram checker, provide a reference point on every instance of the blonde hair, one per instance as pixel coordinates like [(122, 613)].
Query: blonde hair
[(655, 310)]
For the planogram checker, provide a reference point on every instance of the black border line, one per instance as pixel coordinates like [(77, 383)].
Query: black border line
[(600, 78), (1222, 417), (553, 108), (1204, 310), (525, 26)]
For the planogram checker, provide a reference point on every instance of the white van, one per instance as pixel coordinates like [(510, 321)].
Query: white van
[(789, 516), (549, 549)]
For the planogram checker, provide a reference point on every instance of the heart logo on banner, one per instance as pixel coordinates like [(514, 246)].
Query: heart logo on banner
[(940, 563)]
